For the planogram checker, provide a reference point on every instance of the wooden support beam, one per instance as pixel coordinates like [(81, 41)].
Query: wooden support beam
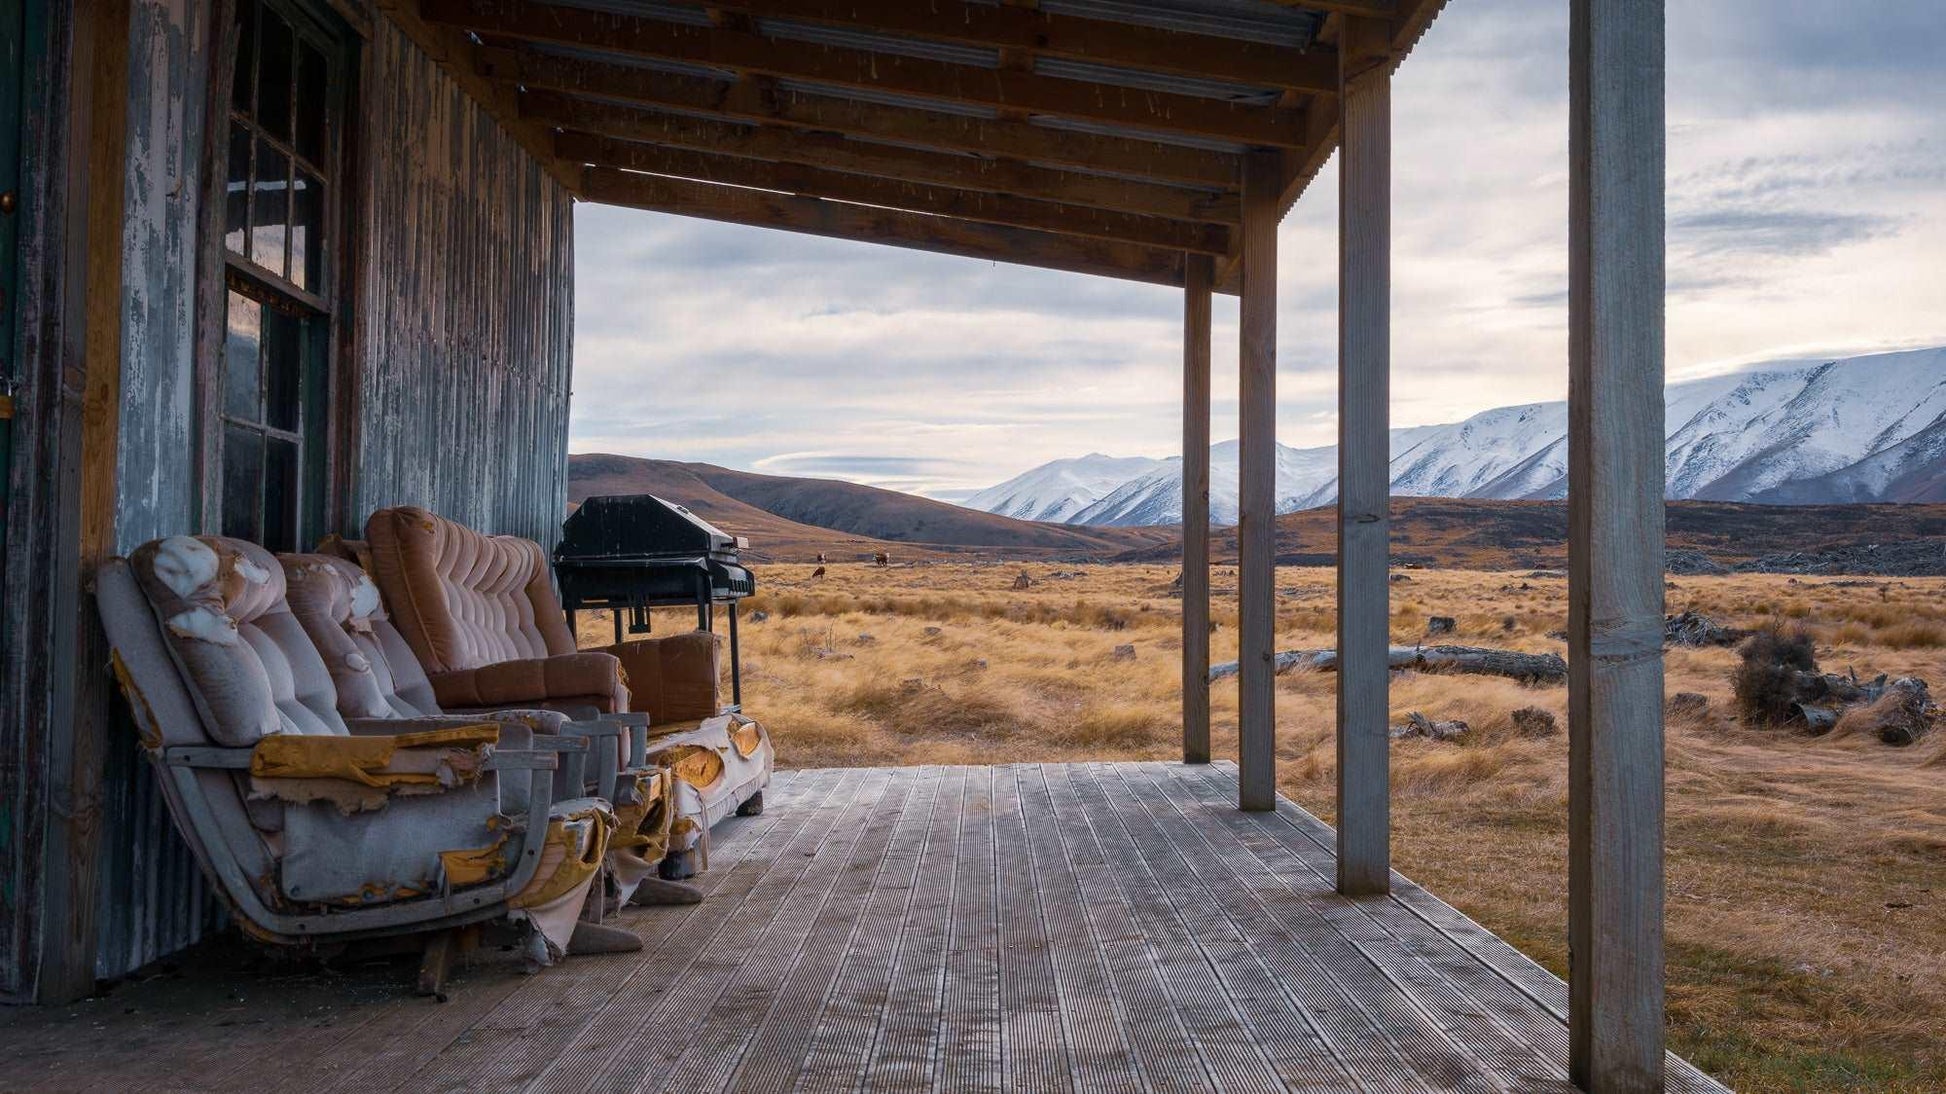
[(1364, 460), (1199, 274), (841, 66), (85, 477), (459, 57), (838, 220), (754, 100), (1073, 37), (1615, 544), (883, 160), (1257, 523), (975, 205)]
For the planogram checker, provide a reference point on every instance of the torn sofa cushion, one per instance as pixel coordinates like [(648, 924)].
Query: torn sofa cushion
[(249, 667), (359, 774)]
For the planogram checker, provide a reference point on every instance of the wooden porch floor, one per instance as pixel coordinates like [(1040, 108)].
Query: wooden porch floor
[(1095, 927)]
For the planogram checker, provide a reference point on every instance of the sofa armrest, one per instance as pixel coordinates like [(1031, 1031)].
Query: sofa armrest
[(425, 760), (588, 677)]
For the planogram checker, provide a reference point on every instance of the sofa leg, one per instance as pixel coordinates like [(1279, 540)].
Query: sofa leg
[(651, 891), (597, 938), (679, 865), (754, 806), (435, 962)]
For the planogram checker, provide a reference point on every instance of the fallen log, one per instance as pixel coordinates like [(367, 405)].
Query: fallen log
[(1697, 629), (1418, 725), (1533, 668)]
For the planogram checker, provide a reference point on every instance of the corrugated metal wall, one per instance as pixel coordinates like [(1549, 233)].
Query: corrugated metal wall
[(461, 359), (150, 897), (466, 308)]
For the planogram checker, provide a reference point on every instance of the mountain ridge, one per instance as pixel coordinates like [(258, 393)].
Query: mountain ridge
[(1844, 431)]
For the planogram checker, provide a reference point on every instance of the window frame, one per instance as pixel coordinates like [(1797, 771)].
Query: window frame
[(325, 307)]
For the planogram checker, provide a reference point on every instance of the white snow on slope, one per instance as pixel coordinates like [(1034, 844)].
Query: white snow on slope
[(1060, 490), (1859, 429)]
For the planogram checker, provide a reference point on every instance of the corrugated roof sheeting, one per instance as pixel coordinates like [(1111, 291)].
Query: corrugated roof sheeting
[(1245, 20)]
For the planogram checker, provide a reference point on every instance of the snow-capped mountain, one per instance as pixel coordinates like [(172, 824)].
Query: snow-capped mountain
[(1156, 498), (1860, 429), (1059, 491)]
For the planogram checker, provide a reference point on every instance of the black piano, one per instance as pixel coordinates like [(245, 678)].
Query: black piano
[(626, 554)]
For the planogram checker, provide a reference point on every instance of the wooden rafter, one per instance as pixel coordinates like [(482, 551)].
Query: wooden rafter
[(918, 231), (753, 100), (885, 161), (986, 208), (839, 66), (1100, 41)]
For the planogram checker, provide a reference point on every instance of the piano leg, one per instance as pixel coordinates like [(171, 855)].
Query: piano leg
[(736, 661)]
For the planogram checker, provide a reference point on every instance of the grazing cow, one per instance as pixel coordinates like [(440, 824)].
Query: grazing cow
[(820, 558), (817, 573), (883, 558)]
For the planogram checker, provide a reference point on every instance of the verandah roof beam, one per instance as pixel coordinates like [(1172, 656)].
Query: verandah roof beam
[(755, 101), (974, 205), (918, 231), (839, 66), (1101, 41), (886, 161)]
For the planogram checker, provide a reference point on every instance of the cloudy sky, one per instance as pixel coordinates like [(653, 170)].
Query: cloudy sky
[(1807, 217)]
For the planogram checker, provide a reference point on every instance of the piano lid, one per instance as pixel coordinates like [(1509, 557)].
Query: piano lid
[(640, 525)]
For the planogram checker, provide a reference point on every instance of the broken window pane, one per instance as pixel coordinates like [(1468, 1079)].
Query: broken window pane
[(313, 89), (307, 231), (243, 465), (246, 58), (236, 191), (280, 495), (270, 208), (283, 369), (241, 373), (274, 76)]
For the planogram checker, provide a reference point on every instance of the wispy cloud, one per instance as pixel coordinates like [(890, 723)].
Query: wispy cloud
[(1807, 208)]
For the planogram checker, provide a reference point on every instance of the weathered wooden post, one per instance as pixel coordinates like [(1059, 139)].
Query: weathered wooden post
[(1364, 456), (1198, 274), (1257, 487), (1615, 542)]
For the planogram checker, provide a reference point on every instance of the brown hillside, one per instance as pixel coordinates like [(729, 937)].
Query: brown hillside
[(793, 518), (1466, 533)]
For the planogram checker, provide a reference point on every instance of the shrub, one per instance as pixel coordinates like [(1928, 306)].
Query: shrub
[(1765, 679)]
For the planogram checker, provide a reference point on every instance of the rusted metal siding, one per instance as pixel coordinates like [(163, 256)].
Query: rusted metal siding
[(465, 307)]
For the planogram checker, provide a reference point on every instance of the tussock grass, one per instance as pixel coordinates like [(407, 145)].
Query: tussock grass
[(1806, 877)]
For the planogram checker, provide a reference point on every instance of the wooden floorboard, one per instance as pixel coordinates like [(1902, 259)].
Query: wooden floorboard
[(1094, 928)]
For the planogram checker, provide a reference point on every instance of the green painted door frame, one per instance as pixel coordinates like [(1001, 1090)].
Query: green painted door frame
[(13, 74)]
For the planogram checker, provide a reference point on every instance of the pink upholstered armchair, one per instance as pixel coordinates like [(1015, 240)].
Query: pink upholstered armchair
[(481, 615)]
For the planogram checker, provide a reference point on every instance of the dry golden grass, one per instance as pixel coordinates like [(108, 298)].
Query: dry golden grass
[(1806, 878)]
